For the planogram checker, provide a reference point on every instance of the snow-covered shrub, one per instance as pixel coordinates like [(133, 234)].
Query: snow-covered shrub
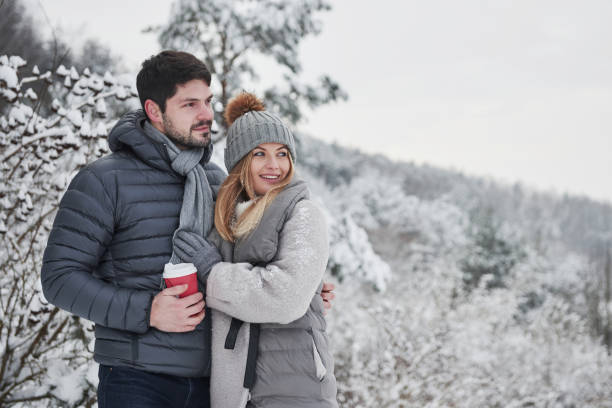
[(351, 254), (352, 257), (45, 352)]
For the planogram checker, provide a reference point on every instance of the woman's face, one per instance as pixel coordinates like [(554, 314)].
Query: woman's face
[(269, 166)]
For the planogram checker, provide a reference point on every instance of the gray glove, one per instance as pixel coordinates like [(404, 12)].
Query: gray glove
[(191, 247)]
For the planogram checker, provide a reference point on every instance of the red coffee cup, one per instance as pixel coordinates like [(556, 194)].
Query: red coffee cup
[(180, 274)]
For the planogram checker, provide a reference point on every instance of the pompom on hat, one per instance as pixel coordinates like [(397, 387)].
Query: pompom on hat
[(250, 125)]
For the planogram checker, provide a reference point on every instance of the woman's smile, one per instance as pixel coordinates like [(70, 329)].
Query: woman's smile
[(269, 166)]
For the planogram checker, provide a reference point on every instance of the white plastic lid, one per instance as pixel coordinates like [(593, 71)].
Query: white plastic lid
[(178, 270)]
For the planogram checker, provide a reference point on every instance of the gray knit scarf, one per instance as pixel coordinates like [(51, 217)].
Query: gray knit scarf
[(197, 209)]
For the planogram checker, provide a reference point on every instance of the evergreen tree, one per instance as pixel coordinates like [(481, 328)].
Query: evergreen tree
[(493, 252), (226, 35)]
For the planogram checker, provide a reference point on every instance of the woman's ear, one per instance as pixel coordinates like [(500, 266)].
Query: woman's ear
[(154, 113)]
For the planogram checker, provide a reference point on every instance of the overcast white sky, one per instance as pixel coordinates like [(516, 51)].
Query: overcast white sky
[(519, 90)]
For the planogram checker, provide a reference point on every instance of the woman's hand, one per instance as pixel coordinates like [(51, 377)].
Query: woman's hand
[(191, 247), (328, 295)]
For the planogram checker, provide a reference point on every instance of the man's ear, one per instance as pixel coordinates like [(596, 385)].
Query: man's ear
[(153, 112)]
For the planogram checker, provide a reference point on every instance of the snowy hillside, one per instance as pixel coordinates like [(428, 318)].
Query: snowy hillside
[(493, 296), (452, 290)]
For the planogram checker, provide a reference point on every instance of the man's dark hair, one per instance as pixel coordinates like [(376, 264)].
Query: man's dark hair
[(160, 75)]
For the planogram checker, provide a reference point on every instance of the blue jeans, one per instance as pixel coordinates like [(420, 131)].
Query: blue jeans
[(125, 387)]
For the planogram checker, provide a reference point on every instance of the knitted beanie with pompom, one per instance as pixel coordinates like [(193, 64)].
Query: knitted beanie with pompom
[(250, 125)]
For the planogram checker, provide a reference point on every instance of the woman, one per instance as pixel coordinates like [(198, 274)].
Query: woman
[(274, 242)]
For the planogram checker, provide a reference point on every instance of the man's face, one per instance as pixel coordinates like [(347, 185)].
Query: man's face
[(189, 115)]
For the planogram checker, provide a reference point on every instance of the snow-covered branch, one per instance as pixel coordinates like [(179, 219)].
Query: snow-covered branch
[(40, 149)]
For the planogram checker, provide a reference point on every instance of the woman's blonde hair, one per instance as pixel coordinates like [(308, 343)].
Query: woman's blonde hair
[(238, 186)]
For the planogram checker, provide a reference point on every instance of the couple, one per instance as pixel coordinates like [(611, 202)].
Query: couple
[(259, 245)]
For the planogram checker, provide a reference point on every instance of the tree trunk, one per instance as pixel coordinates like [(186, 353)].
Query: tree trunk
[(607, 324)]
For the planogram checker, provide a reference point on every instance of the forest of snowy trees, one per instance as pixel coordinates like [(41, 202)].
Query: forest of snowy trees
[(452, 291)]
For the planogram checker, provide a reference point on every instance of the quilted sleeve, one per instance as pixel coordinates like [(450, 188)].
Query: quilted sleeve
[(82, 230), (281, 291)]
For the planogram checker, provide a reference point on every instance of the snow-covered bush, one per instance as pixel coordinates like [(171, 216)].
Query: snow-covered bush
[(424, 342), (351, 255), (45, 352)]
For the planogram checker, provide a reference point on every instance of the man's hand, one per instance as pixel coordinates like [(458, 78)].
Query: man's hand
[(328, 295), (171, 314)]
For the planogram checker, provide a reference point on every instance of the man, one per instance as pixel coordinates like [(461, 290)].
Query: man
[(113, 234)]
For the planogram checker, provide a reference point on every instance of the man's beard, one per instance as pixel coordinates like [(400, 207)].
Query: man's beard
[(186, 139)]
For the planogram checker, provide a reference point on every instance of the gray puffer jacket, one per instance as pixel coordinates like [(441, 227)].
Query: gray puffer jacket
[(106, 252), (274, 283)]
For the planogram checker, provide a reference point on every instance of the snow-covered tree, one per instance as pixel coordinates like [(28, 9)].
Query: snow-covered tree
[(493, 251), (229, 35), (351, 255), (529, 330), (45, 353), (518, 335), (22, 36)]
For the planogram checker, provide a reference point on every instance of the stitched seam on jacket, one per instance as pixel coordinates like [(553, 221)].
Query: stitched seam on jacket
[(89, 217), (108, 308), (127, 309), (103, 188), (91, 305), (155, 200), (124, 184), (77, 295), (131, 224), (153, 255), (143, 238), (79, 232), (52, 244)]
